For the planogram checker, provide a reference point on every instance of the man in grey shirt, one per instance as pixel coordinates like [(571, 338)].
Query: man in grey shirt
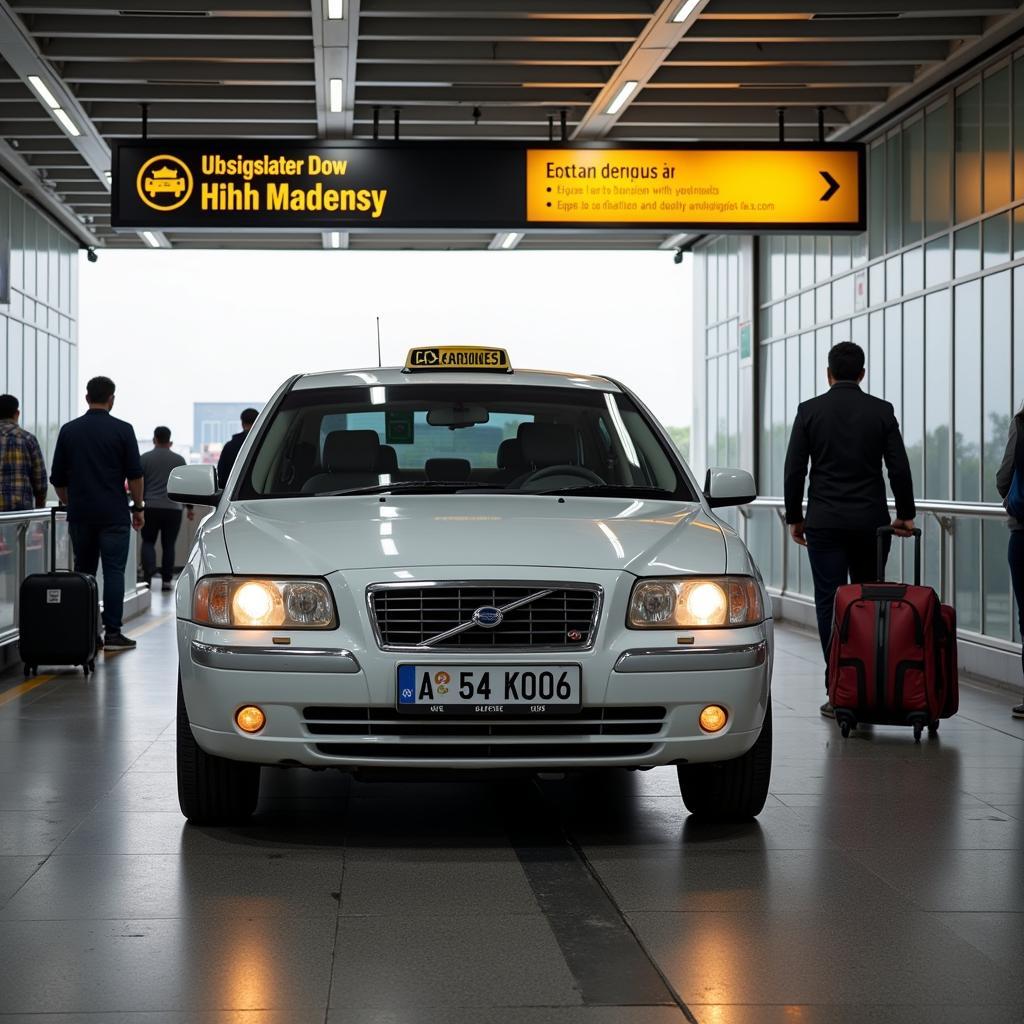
[(163, 516)]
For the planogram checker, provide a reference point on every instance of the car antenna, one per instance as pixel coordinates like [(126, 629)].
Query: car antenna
[(380, 362)]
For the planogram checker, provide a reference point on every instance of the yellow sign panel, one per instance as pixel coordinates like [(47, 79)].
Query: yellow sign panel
[(696, 187), (465, 357)]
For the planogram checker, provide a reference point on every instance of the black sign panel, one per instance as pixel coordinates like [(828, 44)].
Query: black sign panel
[(360, 185)]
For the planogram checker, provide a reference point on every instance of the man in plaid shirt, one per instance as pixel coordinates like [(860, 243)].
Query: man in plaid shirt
[(22, 469)]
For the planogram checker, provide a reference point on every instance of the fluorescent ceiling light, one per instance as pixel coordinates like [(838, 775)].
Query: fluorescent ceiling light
[(624, 93), (44, 91), (510, 239), (150, 239), (336, 87), (335, 239), (685, 11), (335, 9), (69, 126)]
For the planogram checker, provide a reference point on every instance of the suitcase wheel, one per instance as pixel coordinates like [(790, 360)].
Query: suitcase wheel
[(92, 664), (27, 670), (933, 727), (844, 728), (918, 729)]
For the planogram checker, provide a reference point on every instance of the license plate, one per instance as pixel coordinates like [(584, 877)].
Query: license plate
[(488, 689)]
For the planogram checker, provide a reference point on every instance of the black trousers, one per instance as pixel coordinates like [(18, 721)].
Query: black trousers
[(838, 557), (1016, 557), (165, 524)]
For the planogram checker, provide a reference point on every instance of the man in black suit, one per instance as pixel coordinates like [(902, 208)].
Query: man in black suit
[(233, 446), (847, 435)]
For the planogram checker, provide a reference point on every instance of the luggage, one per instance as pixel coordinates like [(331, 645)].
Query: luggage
[(58, 615), (892, 657)]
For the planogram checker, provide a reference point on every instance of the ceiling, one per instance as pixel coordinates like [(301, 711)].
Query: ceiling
[(454, 69)]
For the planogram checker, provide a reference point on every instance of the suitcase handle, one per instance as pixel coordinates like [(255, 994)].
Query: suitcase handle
[(888, 531), (54, 510)]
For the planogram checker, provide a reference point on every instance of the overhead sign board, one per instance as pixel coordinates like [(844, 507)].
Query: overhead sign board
[(168, 184)]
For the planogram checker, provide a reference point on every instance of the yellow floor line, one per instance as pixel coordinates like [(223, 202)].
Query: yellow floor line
[(22, 688)]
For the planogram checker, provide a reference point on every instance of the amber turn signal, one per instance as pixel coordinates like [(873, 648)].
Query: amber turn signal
[(713, 718), (250, 718)]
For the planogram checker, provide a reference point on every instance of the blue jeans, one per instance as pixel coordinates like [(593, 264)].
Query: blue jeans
[(1016, 557), (93, 543), (838, 557)]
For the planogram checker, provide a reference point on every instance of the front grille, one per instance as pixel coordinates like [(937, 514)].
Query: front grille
[(358, 732), (560, 616)]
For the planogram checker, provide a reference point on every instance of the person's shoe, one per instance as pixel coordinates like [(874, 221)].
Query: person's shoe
[(1018, 711), (827, 710), (167, 586), (118, 642), (99, 641)]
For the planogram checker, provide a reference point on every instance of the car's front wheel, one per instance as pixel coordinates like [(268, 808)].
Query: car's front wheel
[(212, 790), (730, 790)]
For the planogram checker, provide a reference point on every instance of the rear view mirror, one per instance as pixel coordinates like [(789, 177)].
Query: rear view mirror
[(193, 485), (456, 416), (725, 487)]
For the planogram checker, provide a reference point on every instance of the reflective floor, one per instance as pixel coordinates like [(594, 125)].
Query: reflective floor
[(884, 881)]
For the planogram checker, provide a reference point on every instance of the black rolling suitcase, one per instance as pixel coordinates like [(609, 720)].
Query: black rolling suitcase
[(58, 615)]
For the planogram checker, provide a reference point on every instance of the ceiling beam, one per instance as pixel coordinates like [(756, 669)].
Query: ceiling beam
[(247, 8), (110, 26), (485, 30), (911, 51), (281, 51), (190, 72), (534, 9), (835, 30), (862, 8)]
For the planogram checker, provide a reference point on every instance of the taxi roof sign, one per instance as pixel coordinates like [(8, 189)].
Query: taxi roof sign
[(474, 358)]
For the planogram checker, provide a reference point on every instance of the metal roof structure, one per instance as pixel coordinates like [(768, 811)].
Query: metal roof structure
[(705, 70)]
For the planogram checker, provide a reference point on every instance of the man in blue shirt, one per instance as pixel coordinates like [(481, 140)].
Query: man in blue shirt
[(95, 455)]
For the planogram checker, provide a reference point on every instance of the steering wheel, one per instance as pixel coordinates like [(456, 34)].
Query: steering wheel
[(575, 472)]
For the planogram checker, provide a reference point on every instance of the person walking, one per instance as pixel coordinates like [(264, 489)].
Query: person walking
[(847, 434), (1013, 464), (95, 455), (233, 446), (163, 516), (22, 467)]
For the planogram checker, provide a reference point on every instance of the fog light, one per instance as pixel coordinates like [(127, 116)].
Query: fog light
[(712, 718), (251, 718)]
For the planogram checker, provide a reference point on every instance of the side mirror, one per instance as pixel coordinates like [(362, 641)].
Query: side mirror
[(194, 485), (725, 487)]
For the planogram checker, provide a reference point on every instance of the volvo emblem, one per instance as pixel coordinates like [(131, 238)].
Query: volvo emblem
[(488, 616)]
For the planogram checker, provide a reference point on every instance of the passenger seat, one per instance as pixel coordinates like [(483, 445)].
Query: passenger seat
[(448, 469)]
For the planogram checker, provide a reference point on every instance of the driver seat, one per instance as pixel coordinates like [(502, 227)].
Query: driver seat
[(351, 459), (544, 445)]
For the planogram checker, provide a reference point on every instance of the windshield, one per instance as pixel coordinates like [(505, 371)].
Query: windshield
[(460, 437)]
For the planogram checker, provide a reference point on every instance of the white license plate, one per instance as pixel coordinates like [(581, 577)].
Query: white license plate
[(488, 689)]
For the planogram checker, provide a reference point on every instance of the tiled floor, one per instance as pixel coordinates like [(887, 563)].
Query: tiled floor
[(883, 883)]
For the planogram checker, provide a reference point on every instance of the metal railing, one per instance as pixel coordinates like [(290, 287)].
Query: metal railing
[(25, 549), (944, 513)]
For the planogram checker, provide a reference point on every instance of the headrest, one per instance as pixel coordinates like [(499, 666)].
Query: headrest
[(351, 451), (548, 444), (447, 469), (387, 459), (510, 454)]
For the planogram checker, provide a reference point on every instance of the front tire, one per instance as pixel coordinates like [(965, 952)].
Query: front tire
[(730, 790), (212, 790)]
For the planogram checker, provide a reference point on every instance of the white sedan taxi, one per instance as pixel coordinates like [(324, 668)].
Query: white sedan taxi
[(459, 566)]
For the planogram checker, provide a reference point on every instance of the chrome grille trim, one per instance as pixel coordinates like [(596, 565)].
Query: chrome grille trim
[(450, 620)]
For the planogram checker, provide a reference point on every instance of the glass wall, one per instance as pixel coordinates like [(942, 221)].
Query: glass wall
[(38, 329), (934, 293)]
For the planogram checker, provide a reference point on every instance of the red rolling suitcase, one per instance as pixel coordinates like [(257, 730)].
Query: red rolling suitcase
[(58, 615), (892, 657)]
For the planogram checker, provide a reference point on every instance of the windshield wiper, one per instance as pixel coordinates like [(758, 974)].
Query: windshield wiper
[(613, 491), (441, 486)]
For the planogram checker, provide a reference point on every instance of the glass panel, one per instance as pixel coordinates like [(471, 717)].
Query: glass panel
[(807, 308), (876, 200), (792, 314), (734, 410), (842, 296), (913, 271), (996, 239), (996, 585), (778, 319), (936, 387), (967, 150), (936, 261), (894, 358), (1018, 231), (824, 303), (765, 454), (912, 419), (860, 331), (859, 245), (711, 420), (822, 343), (808, 367), (966, 247), (806, 261), (893, 277), (33, 414), (723, 412), (822, 257), (876, 284), (893, 211), (996, 391), (967, 548), (792, 264), (841, 254), (1018, 127), (780, 426), (874, 380), (913, 181), (967, 397), (996, 114), (778, 261)]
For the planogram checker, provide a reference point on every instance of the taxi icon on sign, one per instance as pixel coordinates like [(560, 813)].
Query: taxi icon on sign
[(164, 183)]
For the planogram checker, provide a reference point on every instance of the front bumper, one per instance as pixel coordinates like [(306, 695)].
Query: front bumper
[(334, 704)]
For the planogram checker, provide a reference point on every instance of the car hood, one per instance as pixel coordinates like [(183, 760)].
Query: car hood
[(317, 536)]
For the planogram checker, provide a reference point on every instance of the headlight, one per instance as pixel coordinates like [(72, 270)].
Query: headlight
[(246, 603), (693, 603)]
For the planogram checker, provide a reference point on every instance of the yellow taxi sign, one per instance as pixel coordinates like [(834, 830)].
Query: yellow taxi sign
[(458, 357)]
